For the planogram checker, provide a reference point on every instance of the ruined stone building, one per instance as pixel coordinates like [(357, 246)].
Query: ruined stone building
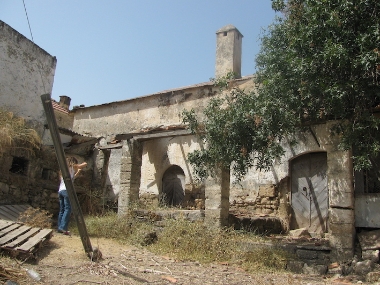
[(136, 150)]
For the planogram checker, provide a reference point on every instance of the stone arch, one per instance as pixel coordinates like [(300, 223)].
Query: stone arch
[(173, 186), (309, 191)]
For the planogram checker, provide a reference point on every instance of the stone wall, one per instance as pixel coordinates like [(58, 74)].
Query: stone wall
[(37, 186)]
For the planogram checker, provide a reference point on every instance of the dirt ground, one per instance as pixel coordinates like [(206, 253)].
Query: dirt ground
[(62, 260)]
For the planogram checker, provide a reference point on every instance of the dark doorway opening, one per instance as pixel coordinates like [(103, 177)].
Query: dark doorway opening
[(173, 182)]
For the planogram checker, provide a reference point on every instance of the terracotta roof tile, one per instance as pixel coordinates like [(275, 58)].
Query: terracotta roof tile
[(57, 107)]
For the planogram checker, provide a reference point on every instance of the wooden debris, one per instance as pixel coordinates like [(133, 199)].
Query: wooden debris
[(169, 278), (17, 238)]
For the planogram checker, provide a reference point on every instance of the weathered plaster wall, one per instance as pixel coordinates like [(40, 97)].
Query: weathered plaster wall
[(113, 177), (163, 108), (27, 72), (158, 155), (64, 120), (135, 114)]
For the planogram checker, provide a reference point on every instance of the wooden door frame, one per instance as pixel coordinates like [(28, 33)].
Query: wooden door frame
[(290, 181)]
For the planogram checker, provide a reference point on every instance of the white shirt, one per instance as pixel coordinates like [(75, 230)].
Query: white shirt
[(62, 185)]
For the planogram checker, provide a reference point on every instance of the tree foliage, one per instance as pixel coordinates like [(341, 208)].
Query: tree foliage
[(319, 60)]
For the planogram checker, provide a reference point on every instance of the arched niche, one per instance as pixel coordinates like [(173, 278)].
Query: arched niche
[(173, 186)]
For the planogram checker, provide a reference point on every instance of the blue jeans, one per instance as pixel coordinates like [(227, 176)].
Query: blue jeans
[(64, 210)]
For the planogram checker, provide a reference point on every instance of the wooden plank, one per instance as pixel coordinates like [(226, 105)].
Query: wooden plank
[(14, 209), (5, 216), (21, 238), (163, 135), (12, 214), (9, 229), (9, 208), (110, 146), (4, 224), (21, 208), (157, 134), (12, 235), (40, 236)]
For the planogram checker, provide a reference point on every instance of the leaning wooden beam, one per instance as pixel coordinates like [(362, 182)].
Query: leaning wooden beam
[(144, 136), (77, 211)]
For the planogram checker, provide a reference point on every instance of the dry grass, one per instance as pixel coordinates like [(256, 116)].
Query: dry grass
[(186, 240), (11, 270), (35, 217), (14, 133)]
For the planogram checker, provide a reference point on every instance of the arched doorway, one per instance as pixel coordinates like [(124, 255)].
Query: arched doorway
[(173, 182), (309, 192)]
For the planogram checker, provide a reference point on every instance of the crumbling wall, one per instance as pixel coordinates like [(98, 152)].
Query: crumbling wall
[(37, 186), (27, 72)]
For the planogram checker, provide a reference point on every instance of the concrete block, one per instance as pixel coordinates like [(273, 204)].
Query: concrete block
[(341, 229), (372, 255), (307, 254), (340, 165), (341, 216), (295, 266), (314, 269), (342, 255), (369, 239), (342, 242), (213, 219), (338, 197), (365, 206)]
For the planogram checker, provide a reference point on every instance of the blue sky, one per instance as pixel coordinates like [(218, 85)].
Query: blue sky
[(113, 50)]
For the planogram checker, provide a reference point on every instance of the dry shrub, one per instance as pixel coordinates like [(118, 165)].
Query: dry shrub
[(91, 202), (35, 217), (15, 133)]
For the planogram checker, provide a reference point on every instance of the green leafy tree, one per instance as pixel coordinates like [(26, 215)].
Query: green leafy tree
[(319, 61)]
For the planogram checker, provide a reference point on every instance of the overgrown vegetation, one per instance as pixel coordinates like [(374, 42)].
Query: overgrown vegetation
[(36, 217), (186, 240), (319, 61), (14, 133)]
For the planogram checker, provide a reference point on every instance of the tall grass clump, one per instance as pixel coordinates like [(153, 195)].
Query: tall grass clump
[(126, 228), (194, 241), (191, 240), (14, 133), (188, 240)]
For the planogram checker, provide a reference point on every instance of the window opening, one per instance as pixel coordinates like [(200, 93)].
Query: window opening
[(19, 165), (46, 174)]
